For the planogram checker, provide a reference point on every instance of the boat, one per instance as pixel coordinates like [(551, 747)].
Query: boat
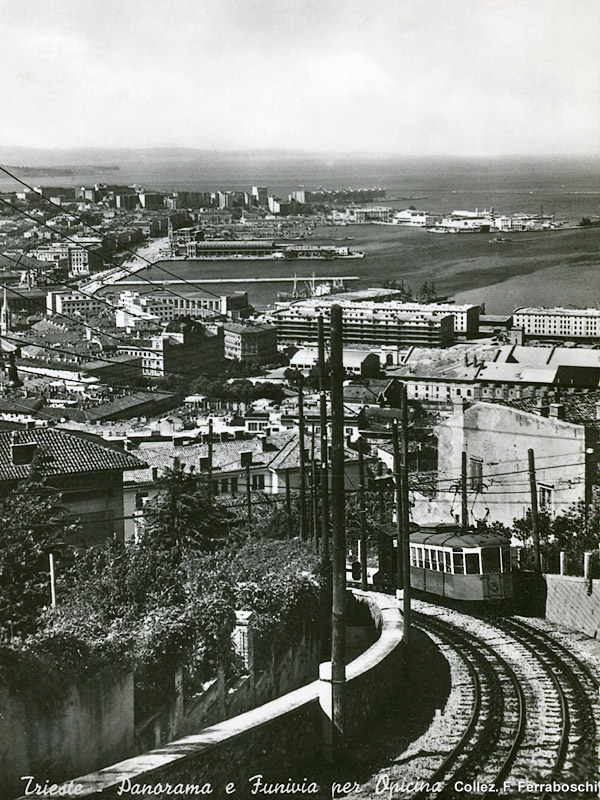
[(499, 240)]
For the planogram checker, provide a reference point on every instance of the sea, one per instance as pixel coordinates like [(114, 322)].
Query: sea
[(559, 267)]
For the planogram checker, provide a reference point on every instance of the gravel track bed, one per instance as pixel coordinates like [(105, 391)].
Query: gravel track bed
[(580, 687), (560, 698), (425, 755)]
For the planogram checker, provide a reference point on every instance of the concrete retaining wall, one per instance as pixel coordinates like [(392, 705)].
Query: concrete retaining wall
[(93, 727), (274, 739), (568, 603), (218, 701)]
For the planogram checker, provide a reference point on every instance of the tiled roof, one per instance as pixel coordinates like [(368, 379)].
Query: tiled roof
[(62, 453), (282, 453), (578, 407)]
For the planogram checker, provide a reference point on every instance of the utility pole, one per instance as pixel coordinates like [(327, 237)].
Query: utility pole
[(210, 461), (399, 509), (324, 442), (537, 559), (288, 501), (338, 626), (406, 597), (315, 501), (363, 516), (302, 456), (248, 493), (52, 580), (463, 493)]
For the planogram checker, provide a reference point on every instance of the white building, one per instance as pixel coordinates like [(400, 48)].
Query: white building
[(415, 219), (73, 302), (571, 323), (164, 307)]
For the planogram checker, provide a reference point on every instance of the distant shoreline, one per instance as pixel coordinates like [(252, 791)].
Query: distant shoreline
[(61, 172)]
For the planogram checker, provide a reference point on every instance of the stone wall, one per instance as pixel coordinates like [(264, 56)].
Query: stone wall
[(277, 739), (218, 700), (92, 728), (569, 603)]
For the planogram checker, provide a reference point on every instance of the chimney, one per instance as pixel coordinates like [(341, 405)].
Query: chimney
[(21, 452), (176, 463), (557, 410), (154, 473), (246, 458), (543, 409)]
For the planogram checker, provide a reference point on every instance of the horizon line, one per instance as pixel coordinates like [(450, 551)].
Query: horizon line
[(290, 151)]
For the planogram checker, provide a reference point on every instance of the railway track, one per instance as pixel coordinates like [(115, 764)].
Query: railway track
[(532, 718)]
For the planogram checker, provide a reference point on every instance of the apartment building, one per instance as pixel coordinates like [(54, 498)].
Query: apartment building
[(566, 323), (184, 348), (73, 302), (366, 322), (246, 342)]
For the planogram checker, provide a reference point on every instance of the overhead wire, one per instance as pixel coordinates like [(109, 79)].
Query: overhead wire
[(86, 224), (139, 274)]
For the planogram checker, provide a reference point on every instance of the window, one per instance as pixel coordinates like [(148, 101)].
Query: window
[(476, 472), (234, 485), (472, 563), (459, 563), (427, 558), (258, 481), (490, 559), (413, 556), (545, 498), (224, 486), (447, 561)]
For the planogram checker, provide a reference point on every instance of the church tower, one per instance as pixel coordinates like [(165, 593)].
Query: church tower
[(5, 316)]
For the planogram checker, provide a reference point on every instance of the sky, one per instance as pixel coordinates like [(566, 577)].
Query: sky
[(461, 77)]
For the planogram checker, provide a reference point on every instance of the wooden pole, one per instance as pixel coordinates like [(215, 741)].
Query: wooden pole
[(248, 493), (406, 598), (399, 514), (210, 460), (288, 501), (338, 626), (463, 492), (315, 502), (537, 559), (363, 516), (324, 444), (303, 526), (52, 580)]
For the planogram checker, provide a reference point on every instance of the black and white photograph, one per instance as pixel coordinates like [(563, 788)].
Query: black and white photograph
[(300, 399)]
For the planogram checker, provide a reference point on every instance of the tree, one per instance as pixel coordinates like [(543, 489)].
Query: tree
[(32, 525), (181, 520), (574, 532)]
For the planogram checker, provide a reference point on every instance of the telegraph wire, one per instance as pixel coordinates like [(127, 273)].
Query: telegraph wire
[(82, 222), (115, 264)]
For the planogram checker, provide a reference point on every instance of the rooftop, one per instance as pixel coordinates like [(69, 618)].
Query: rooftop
[(62, 453), (571, 312)]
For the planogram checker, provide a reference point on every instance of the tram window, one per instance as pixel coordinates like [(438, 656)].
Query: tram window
[(447, 561), (427, 559), (459, 564), (505, 559), (490, 558), (434, 564), (420, 557), (413, 556), (472, 563)]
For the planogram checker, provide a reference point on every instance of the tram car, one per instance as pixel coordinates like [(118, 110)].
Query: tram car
[(448, 562)]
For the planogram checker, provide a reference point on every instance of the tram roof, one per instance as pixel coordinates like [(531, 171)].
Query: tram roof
[(452, 537)]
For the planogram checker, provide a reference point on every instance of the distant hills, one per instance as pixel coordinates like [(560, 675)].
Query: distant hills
[(58, 172), (96, 157)]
